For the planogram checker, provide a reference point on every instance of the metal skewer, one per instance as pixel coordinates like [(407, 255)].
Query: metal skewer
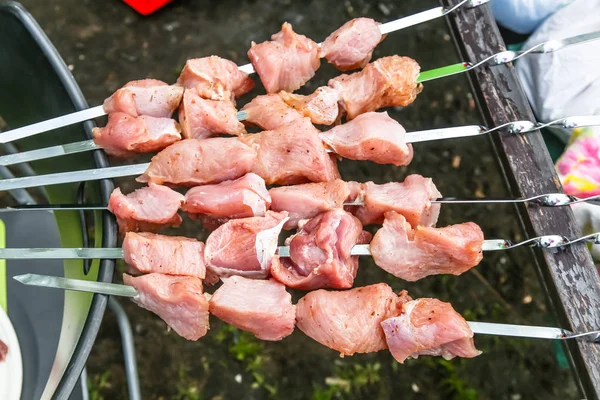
[(98, 111), (483, 328), (546, 200), (411, 137), (546, 241)]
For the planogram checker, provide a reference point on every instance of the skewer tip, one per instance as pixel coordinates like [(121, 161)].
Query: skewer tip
[(24, 279)]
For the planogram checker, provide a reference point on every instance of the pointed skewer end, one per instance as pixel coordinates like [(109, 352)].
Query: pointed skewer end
[(24, 279)]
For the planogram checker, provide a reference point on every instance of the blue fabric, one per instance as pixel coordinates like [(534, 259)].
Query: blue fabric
[(524, 16)]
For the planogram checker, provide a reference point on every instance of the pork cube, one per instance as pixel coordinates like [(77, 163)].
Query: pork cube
[(428, 327), (149, 97), (147, 209), (351, 46), (244, 246), (174, 255), (349, 321), (261, 307), (371, 136), (412, 254), (177, 300), (201, 118), (286, 62), (124, 135), (215, 78), (320, 253)]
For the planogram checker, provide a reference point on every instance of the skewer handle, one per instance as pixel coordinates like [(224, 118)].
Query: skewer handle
[(51, 124)]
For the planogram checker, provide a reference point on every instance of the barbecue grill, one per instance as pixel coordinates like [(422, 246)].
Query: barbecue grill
[(56, 330), (525, 163)]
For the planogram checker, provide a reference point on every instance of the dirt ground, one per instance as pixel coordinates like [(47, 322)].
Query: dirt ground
[(106, 44)]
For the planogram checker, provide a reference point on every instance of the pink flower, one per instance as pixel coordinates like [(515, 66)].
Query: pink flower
[(579, 167)]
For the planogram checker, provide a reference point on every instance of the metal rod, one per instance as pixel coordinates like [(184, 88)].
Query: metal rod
[(79, 285), (546, 200), (546, 242), (516, 127), (133, 380)]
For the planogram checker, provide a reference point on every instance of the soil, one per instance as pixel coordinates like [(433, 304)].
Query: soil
[(106, 44)]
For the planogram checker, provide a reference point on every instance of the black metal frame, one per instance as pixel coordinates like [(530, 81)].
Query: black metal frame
[(109, 228), (569, 275)]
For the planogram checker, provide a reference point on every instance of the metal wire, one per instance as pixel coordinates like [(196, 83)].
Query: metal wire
[(553, 241)]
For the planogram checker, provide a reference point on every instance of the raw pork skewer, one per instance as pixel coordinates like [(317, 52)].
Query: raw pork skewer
[(546, 200), (497, 59), (129, 170), (485, 328), (545, 241)]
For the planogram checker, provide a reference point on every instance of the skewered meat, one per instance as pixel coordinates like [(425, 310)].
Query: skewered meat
[(147, 209), (349, 321), (321, 106), (292, 154), (429, 327), (352, 45), (244, 246), (174, 255), (287, 62), (411, 199), (193, 162), (270, 112), (388, 81), (371, 136), (320, 253), (201, 118), (215, 78), (244, 197), (149, 97), (263, 308), (125, 135), (177, 300), (3, 351), (308, 200), (414, 254)]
